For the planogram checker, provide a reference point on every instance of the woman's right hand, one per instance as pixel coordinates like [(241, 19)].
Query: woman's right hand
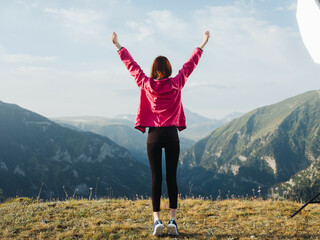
[(206, 36)]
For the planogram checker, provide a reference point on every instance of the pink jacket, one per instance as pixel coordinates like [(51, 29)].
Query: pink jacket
[(160, 100)]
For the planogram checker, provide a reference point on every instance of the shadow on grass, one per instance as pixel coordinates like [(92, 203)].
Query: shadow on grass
[(183, 235), (267, 236)]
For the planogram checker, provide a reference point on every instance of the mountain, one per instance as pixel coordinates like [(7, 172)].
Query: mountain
[(231, 116), (264, 147), (36, 150), (120, 130), (303, 185), (199, 126), (81, 122), (129, 117)]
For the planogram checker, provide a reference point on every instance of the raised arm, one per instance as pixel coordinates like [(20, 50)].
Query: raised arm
[(192, 62), (206, 36), (133, 68), (114, 39)]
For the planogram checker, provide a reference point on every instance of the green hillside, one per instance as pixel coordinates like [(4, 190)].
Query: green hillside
[(305, 184), (264, 147)]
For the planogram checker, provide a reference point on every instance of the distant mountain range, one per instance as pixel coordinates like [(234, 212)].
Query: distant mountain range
[(264, 147), (272, 146), (35, 150), (121, 130), (199, 126)]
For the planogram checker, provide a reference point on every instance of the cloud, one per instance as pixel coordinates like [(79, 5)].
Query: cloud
[(33, 70), (262, 62), (5, 57), (26, 5), (247, 44), (54, 92), (206, 84), (247, 56), (79, 22), (2, 50), (25, 58), (249, 62), (142, 30), (167, 23), (76, 16), (290, 7), (62, 77), (157, 23)]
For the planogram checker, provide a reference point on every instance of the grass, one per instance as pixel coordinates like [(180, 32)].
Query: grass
[(24, 218)]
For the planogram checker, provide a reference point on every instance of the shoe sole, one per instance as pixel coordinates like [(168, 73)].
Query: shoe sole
[(158, 230), (172, 229)]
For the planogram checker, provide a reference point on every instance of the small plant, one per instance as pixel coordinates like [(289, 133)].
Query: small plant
[(190, 188), (285, 194), (259, 191), (75, 191), (38, 197), (228, 195), (65, 192), (109, 192), (95, 194), (90, 193), (219, 195)]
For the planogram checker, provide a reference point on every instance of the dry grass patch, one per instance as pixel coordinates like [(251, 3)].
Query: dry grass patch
[(23, 218)]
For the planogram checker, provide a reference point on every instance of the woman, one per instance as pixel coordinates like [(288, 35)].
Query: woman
[(161, 110)]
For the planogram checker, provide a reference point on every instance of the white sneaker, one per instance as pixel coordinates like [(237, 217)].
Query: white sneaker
[(157, 228), (172, 227)]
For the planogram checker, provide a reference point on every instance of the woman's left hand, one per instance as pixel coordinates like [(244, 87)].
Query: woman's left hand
[(114, 39)]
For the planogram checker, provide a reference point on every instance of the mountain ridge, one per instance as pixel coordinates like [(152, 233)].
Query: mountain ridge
[(121, 130), (34, 149), (263, 147)]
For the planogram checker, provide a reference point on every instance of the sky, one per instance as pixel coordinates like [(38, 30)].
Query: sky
[(57, 59)]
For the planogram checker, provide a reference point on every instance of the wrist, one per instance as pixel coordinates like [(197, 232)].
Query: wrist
[(118, 46), (202, 45)]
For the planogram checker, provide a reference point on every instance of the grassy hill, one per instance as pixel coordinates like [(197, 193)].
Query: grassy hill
[(23, 218)]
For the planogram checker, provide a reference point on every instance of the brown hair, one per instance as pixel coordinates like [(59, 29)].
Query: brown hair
[(161, 68)]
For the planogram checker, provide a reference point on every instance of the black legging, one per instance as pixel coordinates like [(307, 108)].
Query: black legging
[(167, 138)]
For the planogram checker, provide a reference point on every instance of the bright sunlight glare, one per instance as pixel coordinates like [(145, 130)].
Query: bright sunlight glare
[(308, 16)]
